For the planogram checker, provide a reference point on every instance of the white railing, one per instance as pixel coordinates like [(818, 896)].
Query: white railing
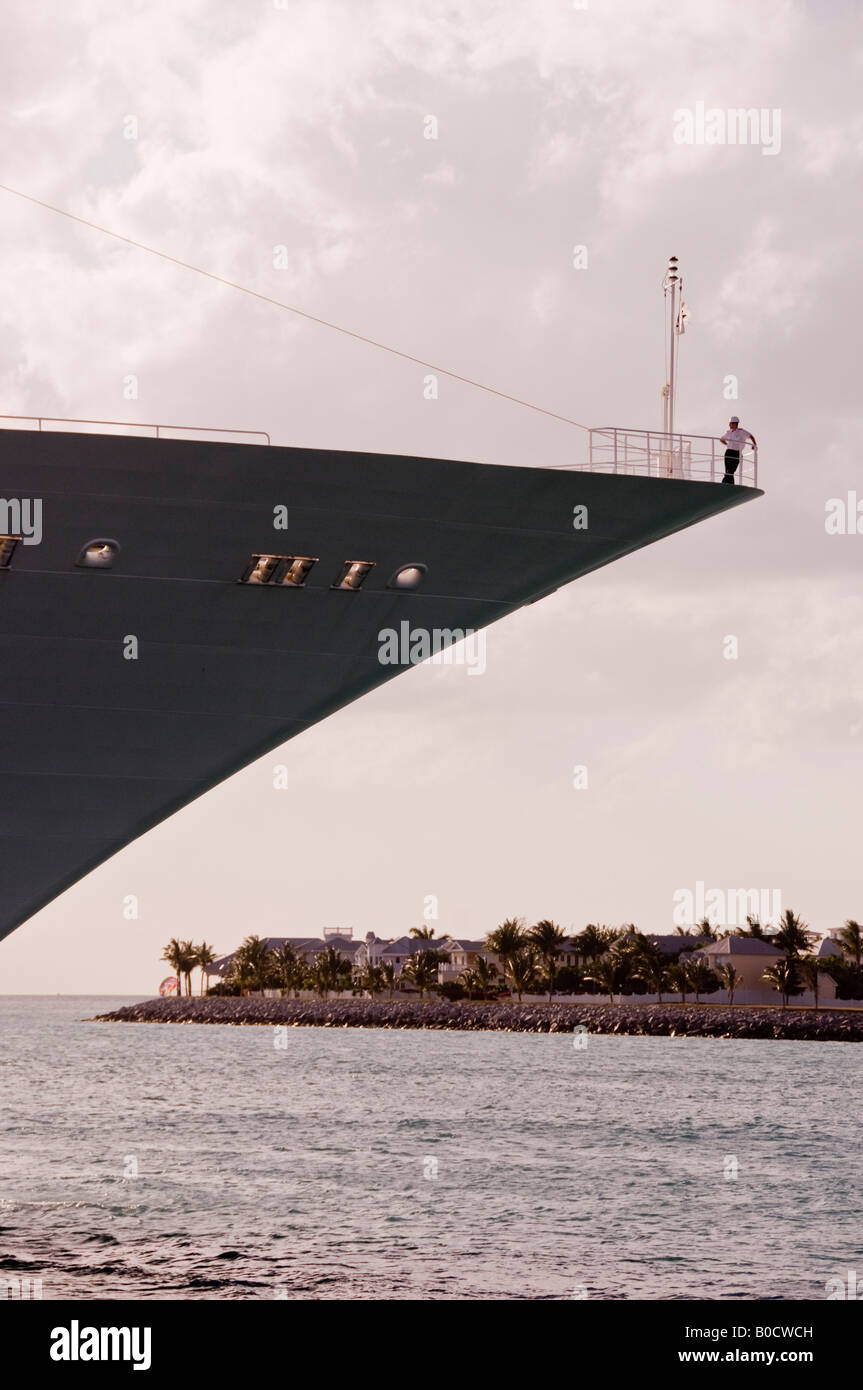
[(42, 422), (696, 457)]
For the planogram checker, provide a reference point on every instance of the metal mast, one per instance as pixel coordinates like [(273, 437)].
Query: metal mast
[(673, 287)]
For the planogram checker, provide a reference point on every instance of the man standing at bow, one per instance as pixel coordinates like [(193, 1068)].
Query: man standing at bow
[(734, 440)]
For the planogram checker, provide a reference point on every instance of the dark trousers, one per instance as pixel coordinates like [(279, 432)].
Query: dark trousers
[(732, 458)]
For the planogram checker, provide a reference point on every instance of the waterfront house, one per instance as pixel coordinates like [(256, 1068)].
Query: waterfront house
[(306, 946), (463, 956), (397, 953), (750, 956)]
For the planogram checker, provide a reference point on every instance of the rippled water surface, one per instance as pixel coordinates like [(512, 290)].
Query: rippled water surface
[(376, 1164)]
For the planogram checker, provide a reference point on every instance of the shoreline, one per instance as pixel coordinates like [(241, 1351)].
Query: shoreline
[(651, 1020)]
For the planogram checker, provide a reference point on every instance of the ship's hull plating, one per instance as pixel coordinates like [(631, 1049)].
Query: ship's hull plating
[(96, 748)]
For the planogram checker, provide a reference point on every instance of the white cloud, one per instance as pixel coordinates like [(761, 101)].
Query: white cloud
[(445, 176), (771, 285)]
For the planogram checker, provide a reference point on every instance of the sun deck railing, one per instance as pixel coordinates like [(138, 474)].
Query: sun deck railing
[(128, 427), (698, 457), (613, 449)]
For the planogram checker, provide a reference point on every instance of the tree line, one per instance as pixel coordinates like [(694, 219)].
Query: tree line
[(256, 966), (610, 961), (184, 957), (623, 960)]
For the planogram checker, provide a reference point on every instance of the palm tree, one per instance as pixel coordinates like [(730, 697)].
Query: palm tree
[(793, 936), (294, 973), (173, 954), (730, 979), (300, 976), (240, 974), (548, 939), (486, 973), (783, 977), (629, 952), (707, 930), (421, 933), (422, 969), (848, 977), (204, 955), (469, 981), (190, 960), (251, 964), (591, 942), (654, 972), (851, 940), (632, 943), (594, 941), (810, 969), (330, 971), (370, 980), (344, 975), (506, 942), (316, 977), (479, 978), (284, 964), (701, 977), (522, 969), (753, 928), (678, 978), (605, 974), (388, 976)]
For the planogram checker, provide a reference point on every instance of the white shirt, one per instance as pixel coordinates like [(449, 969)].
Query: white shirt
[(736, 439)]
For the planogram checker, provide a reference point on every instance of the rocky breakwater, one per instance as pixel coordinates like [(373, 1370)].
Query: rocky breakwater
[(670, 1020)]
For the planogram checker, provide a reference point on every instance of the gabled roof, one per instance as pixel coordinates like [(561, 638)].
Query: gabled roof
[(304, 945), (406, 945), (670, 945), (219, 966), (313, 943), (741, 946)]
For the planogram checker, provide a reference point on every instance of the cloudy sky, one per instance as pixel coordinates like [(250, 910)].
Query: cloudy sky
[(218, 132)]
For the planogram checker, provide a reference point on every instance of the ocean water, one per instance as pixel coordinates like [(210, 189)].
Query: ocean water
[(152, 1161)]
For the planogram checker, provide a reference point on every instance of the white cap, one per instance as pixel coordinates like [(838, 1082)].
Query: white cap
[(735, 420)]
